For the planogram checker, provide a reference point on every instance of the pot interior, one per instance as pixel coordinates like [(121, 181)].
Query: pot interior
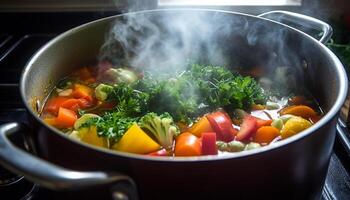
[(235, 40)]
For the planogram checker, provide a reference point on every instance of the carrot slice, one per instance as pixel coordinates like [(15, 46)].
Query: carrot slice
[(65, 118), (266, 134), (54, 104), (300, 110), (187, 145)]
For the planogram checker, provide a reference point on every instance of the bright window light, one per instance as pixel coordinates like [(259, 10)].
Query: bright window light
[(229, 2)]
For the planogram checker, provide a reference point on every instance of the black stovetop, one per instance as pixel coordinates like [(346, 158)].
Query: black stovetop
[(22, 34)]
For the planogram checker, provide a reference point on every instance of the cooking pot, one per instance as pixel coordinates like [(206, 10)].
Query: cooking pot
[(294, 168)]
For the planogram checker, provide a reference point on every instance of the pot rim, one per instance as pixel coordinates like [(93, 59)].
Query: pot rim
[(343, 85)]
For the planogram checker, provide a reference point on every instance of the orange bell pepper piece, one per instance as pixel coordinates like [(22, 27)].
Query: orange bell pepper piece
[(266, 134), (300, 110), (187, 145)]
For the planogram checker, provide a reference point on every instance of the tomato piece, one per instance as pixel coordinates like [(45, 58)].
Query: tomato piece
[(162, 152), (71, 104), (54, 104), (263, 122), (187, 145), (248, 128), (222, 125), (209, 143)]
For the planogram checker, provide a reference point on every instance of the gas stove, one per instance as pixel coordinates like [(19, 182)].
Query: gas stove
[(22, 34)]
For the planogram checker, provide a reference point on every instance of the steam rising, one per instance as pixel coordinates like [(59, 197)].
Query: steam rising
[(167, 41)]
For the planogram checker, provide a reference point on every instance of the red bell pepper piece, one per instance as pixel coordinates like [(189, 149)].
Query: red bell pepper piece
[(209, 143), (222, 125), (248, 128)]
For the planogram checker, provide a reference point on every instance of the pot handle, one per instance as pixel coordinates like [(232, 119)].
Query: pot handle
[(55, 177), (302, 20)]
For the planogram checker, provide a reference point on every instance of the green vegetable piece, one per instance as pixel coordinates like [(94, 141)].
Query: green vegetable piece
[(252, 145), (162, 127), (286, 117), (277, 123), (272, 105), (102, 91), (233, 146), (83, 119)]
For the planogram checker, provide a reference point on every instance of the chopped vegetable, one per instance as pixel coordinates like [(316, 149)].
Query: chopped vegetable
[(293, 126), (187, 145), (233, 146), (65, 118), (102, 91), (248, 128), (83, 119), (75, 104), (252, 145), (203, 125), (82, 91), (162, 127), (162, 152), (120, 75), (65, 93), (135, 140), (258, 107), (89, 135), (265, 134), (300, 110), (209, 143), (53, 104), (222, 125), (272, 105), (285, 118), (277, 123), (112, 125), (262, 122)]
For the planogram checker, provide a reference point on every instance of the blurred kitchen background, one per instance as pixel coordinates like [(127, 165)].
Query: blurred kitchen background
[(26, 25)]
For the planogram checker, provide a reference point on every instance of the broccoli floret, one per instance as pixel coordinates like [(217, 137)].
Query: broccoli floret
[(162, 127), (102, 91)]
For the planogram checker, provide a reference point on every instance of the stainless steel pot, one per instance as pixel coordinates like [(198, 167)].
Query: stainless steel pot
[(294, 168)]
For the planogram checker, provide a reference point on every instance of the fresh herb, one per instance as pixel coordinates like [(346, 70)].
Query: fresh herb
[(111, 125), (190, 94)]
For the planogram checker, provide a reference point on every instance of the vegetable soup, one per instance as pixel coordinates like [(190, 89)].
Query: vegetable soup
[(203, 110)]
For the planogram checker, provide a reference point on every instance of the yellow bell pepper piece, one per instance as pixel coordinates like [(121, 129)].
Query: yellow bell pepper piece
[(135, 140), (89, 135), (293, 126)]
